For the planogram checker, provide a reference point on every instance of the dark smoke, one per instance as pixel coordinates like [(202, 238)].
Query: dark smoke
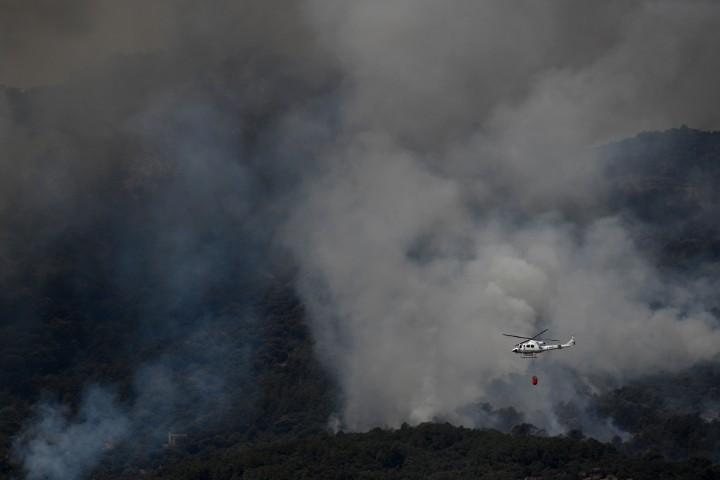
[(426, 169)]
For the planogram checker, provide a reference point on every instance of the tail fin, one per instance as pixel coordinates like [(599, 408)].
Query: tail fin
[(570, 342)]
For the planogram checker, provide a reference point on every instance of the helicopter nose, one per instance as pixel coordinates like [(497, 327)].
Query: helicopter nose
[(514, 350)]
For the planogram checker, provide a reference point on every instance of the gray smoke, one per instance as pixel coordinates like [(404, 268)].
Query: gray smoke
[(444, 215), (58, 445), (160, 158), (181, 391), (429, 166)]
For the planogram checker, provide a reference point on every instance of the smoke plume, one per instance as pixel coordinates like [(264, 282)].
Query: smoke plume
[(60, 446), (465, 200), (430, 169)]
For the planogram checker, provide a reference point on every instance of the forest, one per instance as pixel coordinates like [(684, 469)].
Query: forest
[(153, 325)]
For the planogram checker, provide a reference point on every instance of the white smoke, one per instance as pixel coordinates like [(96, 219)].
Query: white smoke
[(418, 336), (438, 224), (61, 446), (58, 444)]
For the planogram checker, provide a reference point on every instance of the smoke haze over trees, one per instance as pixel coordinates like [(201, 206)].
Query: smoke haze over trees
[(207, 207)]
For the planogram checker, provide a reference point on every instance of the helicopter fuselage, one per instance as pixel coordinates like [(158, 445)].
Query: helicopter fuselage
[(531, 348)]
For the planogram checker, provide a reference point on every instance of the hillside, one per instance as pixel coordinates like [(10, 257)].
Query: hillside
[(665, 185), (434, 451), (172, 298)]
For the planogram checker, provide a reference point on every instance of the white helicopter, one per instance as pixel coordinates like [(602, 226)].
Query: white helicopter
[(532, 346)]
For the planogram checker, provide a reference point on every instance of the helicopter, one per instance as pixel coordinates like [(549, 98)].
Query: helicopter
[(530, 347)]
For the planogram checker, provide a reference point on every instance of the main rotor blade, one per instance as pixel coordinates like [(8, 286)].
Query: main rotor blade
[(516, 336), (533, 338)]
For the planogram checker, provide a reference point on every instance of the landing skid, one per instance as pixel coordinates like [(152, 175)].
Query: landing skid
[(529, 355)]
